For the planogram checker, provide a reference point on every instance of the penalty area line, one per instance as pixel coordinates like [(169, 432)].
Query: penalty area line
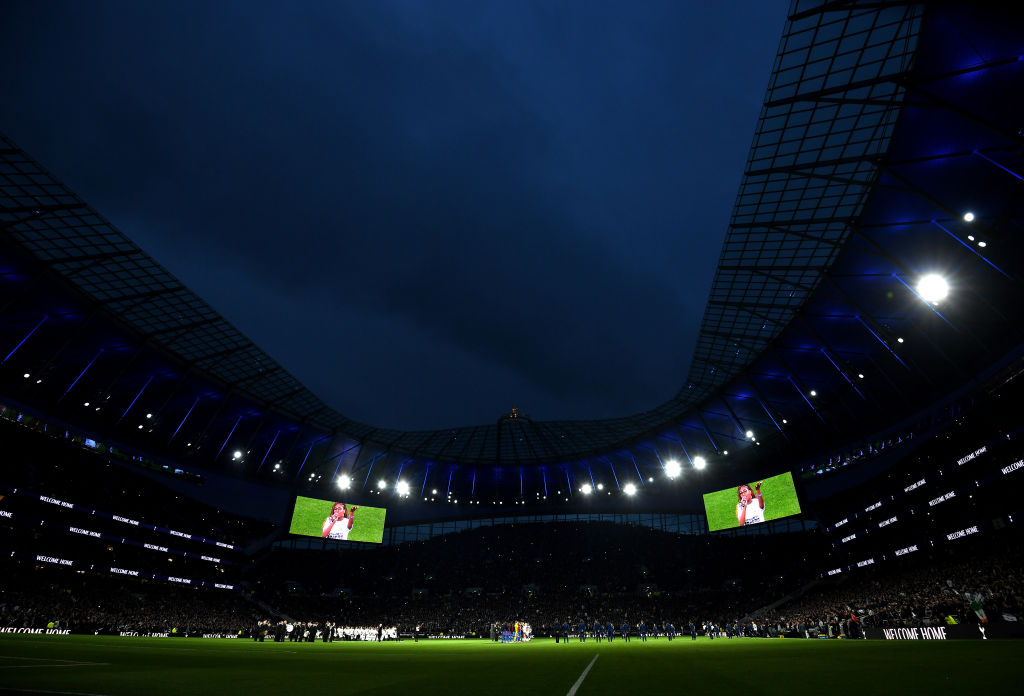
[(572, 691)]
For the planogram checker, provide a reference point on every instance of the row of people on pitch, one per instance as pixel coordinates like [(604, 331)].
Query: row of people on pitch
[(643, 632), (299, 632), (607, 631)]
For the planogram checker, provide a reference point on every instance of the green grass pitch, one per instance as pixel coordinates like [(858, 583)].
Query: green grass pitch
[(310, 513), (113, 666), (780, 500)]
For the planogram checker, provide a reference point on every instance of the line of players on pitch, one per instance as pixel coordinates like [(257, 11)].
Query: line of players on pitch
[(606, 631)]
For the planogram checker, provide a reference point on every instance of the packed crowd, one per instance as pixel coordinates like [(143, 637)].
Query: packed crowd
[(85, 603), (985, 584)]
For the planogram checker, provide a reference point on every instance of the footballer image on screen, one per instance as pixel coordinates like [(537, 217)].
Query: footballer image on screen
[(329, 519), (752, 502)]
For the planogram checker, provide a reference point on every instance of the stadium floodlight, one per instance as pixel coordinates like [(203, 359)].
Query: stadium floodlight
[(402, 488), (899, 340), (700, 462), (968, 216), (344, 481), (784, 421), (586, 489), (149, 415), (600, 486), (814, 393), (982, 244), (932, 288), (236, 455), (382, 484), (629, 489), (673, 468), (750, 434), (26, 375), (86, 404)]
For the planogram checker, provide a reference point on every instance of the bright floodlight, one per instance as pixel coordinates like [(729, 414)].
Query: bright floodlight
[(672, 468), (932, 288), (629, 489), (968, 216), (344, 481), (236, 455), (600, 486), (700, 462), (382, 484), (750, 434), (586, 489), (814, 393), (402, 487)]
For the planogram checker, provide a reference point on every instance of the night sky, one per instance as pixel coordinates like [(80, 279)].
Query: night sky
[(427, 211)]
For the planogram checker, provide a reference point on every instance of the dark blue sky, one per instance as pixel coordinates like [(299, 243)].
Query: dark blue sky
[(427, 211)]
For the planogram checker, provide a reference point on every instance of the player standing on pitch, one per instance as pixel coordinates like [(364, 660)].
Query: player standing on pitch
[(339, 523)]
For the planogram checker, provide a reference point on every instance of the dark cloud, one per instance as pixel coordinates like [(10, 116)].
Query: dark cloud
[(428, 212)]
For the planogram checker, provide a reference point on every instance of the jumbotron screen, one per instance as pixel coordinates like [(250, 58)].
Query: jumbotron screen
[(752, 502), (329, 519)]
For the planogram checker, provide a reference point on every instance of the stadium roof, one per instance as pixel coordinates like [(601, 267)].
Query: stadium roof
[(883, 124)]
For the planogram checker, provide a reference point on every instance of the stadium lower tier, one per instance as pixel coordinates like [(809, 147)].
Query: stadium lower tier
[(983, 585)]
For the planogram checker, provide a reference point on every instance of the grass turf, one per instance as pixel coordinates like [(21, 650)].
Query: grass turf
[(154, 666), (310, 513), (779, 497)]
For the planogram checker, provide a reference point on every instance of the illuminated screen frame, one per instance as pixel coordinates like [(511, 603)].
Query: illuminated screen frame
[(779, 495), (310, 515)]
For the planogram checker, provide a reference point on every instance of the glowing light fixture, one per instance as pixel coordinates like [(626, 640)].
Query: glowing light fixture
[(673, 468), (344, 482), (402, 487), (968, 216), (932, 288), (586, 489), (629, 489), (700, 462)]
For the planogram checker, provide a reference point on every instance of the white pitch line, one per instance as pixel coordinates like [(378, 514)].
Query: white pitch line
[(572, 691)]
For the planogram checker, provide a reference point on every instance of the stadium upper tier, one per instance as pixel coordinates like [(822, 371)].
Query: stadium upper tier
[(889, 147)]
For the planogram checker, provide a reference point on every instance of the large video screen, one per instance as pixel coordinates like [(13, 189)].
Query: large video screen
[(329, 519), (752, 502)]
